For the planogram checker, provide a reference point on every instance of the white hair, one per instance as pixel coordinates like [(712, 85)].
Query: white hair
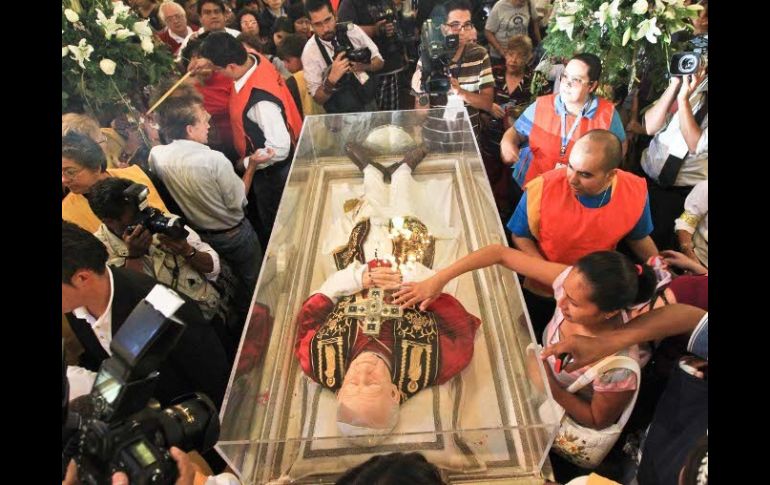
[(169, 3), (359, 433)]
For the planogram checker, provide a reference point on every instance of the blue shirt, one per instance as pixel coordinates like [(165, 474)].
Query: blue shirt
[(519, 222)]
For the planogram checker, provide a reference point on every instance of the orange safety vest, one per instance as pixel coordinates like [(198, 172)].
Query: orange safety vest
[(566, 230), (545, 136), (266, 78)]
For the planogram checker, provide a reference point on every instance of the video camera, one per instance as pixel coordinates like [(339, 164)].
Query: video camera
[(689, 62), (152, 219), (384, 10), (121, 427), (436, 51), (362, 55)]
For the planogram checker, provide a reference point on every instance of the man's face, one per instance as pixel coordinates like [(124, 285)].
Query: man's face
[(249, 24), (212, 17), (77, 178), (200, 130), (191, 9), (575, 85), (323, 23), (176, 20), (274, 5), (72, 293), (293, 64), (302, 27), (367, 391), (459, 22), (119, 226), (586, 171)]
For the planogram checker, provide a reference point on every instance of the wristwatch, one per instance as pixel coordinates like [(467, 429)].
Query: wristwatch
[(423, 99)]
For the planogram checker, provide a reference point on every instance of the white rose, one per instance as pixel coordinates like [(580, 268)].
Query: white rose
[(71, 15), (147, 45), (107, 66), (640, 7)]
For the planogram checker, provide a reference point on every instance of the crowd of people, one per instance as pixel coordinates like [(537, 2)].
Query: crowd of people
[(605, 201)]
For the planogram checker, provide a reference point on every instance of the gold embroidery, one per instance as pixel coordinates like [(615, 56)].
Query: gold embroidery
[(351, 205), (331, 364), (420, 246), (344, 255), (690, 219), (415, 368)]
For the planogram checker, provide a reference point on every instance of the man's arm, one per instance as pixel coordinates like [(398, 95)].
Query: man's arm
[(655, 117), (527, 245), (340, 66), (482, 100), (267, 115), (493, 41), (689, 127), (509, 146), (643, 248), (675, 319)]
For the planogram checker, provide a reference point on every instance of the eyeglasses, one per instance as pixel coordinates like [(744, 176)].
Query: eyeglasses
[(176, 16), (246, 23), (457, 26), (70, 172), (569, 81)]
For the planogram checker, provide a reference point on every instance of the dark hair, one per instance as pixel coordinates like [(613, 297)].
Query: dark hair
[(247, 11), (176, 114), (695, 470), (80, 250), (593, 62), (252, 40), (292, 46), (295, 11), (283, 24), (395, 468), (222, 49), (316, 5), (201, 3), (453, 5), (106, 198), (613, 148), (192, 48), (84, 151), (615, 280)]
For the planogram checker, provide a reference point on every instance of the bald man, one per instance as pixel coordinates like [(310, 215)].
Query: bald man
[(589, 205)]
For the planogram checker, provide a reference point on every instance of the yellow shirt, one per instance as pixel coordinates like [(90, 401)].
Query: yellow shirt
[(75, 208), (309, 106)]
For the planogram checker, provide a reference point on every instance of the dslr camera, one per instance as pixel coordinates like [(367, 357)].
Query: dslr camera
[(120, 427), (152, 219), (384, 10), (436, 51), (362, 55)]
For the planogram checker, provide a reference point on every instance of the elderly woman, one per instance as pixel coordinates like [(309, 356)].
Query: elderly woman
[(83, 163), (543, 136)]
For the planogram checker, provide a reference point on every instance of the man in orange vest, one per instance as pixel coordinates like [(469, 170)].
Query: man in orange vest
[(264, 118), (589, 205)]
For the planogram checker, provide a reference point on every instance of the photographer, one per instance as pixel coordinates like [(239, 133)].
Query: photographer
[(97, 301), (470, 75), (379, 20), (186, 265), (334, 79)]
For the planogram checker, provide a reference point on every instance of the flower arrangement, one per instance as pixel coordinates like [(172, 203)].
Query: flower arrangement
[(623, 33), (109, 57)]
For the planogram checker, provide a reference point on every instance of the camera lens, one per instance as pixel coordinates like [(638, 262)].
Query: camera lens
[(687, 63), (192, 424)]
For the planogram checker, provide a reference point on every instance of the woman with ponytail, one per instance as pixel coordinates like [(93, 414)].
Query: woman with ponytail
[(592, 296)]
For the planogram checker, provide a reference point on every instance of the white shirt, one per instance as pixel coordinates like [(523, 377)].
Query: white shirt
[(314, 64), (202, 181), (669, 140), (179, 38), (82, 380), (267, 115), (695, 220)]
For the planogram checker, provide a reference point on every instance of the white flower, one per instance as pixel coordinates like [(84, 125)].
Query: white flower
[(107, 66), (603, 13), (64, 51), (147, 45), (568, 8), (123, 34), (75, 6), (615, 12), (143, 28), (640, 7), (669, 14), (81, 52), (71, 15), (566, 24), (648, 29), (120, 10), (626, 35), (695, 8), (659, 7)]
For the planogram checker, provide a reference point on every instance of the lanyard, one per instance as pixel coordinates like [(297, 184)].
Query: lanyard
[(566, 137)]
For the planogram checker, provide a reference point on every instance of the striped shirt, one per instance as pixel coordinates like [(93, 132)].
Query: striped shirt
[(474, 73)]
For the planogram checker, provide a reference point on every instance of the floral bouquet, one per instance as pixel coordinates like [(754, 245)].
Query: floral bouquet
[(109, 58), (623, 33)]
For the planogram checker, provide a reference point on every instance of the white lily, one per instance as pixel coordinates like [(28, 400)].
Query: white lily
[(109, 25), (147, 45), (123, 34), (71, 15), (648, 28), (615, 12), (143, 29), (626, 36), (603, 13), (81, 52), (64, 51), (107, 66), (567, 8), (669, 14), (566, 24), (640, 7), (119, 9)]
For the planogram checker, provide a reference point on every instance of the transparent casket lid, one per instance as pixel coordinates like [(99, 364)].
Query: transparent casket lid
[(494, 420)]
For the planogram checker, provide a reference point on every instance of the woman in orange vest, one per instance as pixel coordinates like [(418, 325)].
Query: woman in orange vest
[(543, 136)]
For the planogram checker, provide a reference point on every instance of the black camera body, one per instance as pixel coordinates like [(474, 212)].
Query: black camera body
[(437, 50), (152, 219), (380, 11), (362, 55), (120, 427)]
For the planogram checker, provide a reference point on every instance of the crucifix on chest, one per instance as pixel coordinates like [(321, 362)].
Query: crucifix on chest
[(372, 310)]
